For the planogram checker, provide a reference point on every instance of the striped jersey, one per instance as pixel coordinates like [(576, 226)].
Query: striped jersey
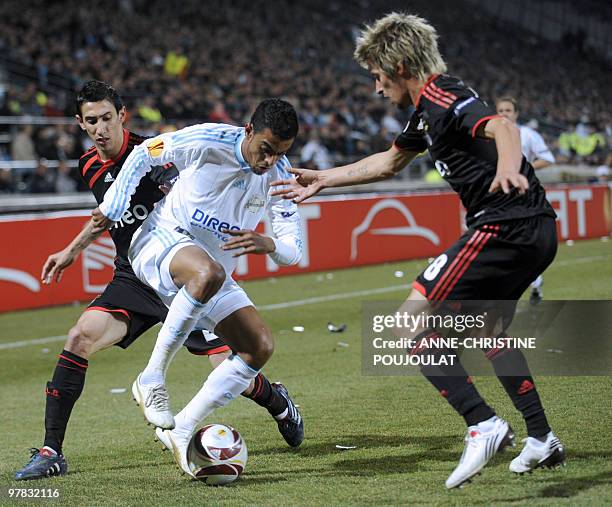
[(451, 114), (99, 176), (216, 190)]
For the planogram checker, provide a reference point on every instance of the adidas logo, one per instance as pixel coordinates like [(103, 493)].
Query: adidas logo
[(108, 178), (240, 184)]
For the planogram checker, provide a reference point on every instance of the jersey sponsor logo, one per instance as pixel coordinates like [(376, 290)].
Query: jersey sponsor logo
[(287, 214), (254, 204), (108, 178), (209, 221), (137, 213), (155, 147), (411, 229)]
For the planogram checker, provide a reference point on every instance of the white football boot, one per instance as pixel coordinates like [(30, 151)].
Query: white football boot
[(481, 443), (153, 401), (178, 445), (536, 454)]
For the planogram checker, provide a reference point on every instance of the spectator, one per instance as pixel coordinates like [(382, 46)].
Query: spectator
[(219, 114), (65, 181), (41, 181), (6, 181), (22, 146), (148, 112), (314, 154)]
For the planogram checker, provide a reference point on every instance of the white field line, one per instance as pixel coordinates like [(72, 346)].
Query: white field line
[(37, 341), (276, 306), (307, 301)]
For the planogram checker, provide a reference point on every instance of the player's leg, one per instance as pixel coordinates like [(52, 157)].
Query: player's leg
[(538, 242), (457, 274), (274, 397), (251, 340), (179, 268), (93, 331), (198, 278), (451, 381), (234, 319)]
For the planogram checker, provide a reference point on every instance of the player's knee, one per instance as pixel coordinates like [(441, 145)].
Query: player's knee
[(82, 339), (263, 347), (206, 281)]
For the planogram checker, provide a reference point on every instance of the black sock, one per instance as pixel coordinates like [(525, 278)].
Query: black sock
[(513, 372), (266, 396), (454, 384), (62, 393)]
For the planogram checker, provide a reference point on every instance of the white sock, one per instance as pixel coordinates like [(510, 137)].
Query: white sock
[(182, 317), (224, 383)]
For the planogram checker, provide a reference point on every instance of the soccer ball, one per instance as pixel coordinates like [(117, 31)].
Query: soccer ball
[(217, 454)]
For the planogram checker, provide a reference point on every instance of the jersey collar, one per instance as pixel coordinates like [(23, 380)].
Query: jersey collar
[(238, 152)]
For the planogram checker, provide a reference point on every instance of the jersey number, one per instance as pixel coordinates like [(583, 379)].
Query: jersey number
[(434, 268)]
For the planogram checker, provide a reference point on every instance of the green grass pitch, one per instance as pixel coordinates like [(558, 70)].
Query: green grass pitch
[(407, 438)]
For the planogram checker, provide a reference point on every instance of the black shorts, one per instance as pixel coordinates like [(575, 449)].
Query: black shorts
[(491, 262), (127, 295)]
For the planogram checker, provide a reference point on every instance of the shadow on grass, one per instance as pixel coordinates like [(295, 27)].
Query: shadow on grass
[(429, 448), (307, 450), (569, 487), (558, 485)]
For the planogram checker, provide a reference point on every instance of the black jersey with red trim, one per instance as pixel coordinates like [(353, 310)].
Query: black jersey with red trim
[(451, 115), (100, 175)]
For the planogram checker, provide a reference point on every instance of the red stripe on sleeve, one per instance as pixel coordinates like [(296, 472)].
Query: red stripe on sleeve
[(449, 95), (435, 100), (479, 122)]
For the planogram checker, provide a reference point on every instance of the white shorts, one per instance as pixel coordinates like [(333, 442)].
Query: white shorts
[(150, 255)]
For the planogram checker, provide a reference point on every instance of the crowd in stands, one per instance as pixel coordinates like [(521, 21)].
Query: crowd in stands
[(176, 63)]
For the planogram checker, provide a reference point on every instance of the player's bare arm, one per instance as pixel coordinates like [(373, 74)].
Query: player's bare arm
[(100, 222), (539, 163), (377, 167), (56, 263), (251, 242), (508, 142)]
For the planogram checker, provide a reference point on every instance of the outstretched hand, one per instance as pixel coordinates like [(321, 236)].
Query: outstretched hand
[(306, 183), (55, 265)]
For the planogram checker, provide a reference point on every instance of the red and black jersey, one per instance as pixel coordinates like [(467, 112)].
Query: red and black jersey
[(451, 114), (100, 175)]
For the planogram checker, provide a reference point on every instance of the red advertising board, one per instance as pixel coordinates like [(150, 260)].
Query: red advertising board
[(337, 232)]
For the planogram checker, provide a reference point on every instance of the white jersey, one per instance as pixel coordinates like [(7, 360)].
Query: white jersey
[(533, 146), (216, 190)]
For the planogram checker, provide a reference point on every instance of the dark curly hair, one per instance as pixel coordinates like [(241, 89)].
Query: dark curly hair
[(277, 115), (95, 91)]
